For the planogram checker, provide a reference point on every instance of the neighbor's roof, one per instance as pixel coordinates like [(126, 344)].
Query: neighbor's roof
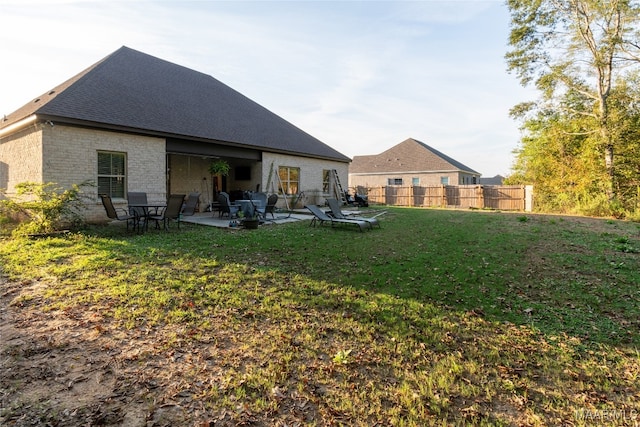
[(410, 155), (133, 91)]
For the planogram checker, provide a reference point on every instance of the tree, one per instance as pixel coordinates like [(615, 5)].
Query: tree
[(576, 50), (559, 158)]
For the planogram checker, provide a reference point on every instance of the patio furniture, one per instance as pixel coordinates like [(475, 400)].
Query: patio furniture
[(320, 218), (271, 205), (258, 202), (226, 207), (171, 212), (137, 198), (112, 212), (336, 212), (139, 205), (191, 204)]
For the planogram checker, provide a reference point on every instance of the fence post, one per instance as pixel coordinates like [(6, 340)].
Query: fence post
[(528, 198), (480, 196)]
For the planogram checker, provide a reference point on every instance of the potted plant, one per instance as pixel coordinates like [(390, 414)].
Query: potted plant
[(219, 167), (251, 222)]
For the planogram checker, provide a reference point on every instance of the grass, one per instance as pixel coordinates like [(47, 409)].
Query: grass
[(439, 318)]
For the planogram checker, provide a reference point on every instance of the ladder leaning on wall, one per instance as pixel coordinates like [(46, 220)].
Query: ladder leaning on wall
[(337, 187), (269, 186)]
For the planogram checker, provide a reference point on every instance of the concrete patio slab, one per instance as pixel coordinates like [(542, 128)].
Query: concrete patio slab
[(212, 219)]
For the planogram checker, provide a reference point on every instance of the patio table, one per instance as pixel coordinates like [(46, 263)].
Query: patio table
[(146, 208), (248, 206)]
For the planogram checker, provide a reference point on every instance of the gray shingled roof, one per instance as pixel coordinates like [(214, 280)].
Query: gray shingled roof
[(410, 155), (134, 91)]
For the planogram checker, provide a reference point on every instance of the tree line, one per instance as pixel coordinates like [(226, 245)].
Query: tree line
[(580, 143)]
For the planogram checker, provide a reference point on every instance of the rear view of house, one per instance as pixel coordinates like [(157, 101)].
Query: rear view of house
[(133, 122)]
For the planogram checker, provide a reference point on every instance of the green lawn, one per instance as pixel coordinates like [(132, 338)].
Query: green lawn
[(438, 318)]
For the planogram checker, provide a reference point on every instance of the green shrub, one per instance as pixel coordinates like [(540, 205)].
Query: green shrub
[(45, 208)]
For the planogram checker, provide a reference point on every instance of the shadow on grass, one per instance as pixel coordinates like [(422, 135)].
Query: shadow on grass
[(562, 276)]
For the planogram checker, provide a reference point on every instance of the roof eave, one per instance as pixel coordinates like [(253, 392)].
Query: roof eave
[(159, 134), (18, 125)]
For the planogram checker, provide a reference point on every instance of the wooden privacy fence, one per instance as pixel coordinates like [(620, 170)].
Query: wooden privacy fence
[(502, 197)]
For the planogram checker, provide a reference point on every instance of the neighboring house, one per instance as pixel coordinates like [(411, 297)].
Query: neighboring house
[(133, 122), (410, 163), (496, 180)]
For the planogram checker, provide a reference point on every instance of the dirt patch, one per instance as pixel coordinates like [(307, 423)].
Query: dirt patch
[(76, 368), (71, 368), (59, 368)]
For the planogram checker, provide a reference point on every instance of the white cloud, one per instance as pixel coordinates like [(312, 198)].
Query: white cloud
[(360, 76)]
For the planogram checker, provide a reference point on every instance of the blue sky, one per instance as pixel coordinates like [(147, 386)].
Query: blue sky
[(361, 76)]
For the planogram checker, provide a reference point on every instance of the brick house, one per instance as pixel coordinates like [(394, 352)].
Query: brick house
[(133, 122), (409, 163)]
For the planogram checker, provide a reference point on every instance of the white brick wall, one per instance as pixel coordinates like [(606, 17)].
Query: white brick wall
[(71, 156), (21, 158), (310, 174), (68, 155)]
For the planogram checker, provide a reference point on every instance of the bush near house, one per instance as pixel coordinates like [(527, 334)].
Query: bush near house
[(42, 208)]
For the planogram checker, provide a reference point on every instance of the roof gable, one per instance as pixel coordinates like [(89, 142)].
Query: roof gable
[(133, 90), (410, 155)]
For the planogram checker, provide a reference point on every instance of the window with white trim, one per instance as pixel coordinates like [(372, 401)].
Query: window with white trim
[(112, 178), (290, 178)]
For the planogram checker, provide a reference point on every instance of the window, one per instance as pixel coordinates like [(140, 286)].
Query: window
[(290, 178), (444, 180), (326, 173), (394, 181), (112, 179), (415, 181)]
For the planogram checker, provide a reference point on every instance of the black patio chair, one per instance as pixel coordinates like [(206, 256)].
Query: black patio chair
[(271, 205), (191, 204), (226, 207), (143, 212), (171, 212), (115, 215)]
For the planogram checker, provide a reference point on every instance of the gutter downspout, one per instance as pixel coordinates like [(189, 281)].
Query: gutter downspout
[(18, 125)]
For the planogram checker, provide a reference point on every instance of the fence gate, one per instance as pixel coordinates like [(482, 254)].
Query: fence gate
[(506, 197)]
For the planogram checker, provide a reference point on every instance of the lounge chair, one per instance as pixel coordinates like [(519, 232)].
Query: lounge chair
[(113, 213), (336, 212), (191, 204), (320, 218), (171, 212)]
